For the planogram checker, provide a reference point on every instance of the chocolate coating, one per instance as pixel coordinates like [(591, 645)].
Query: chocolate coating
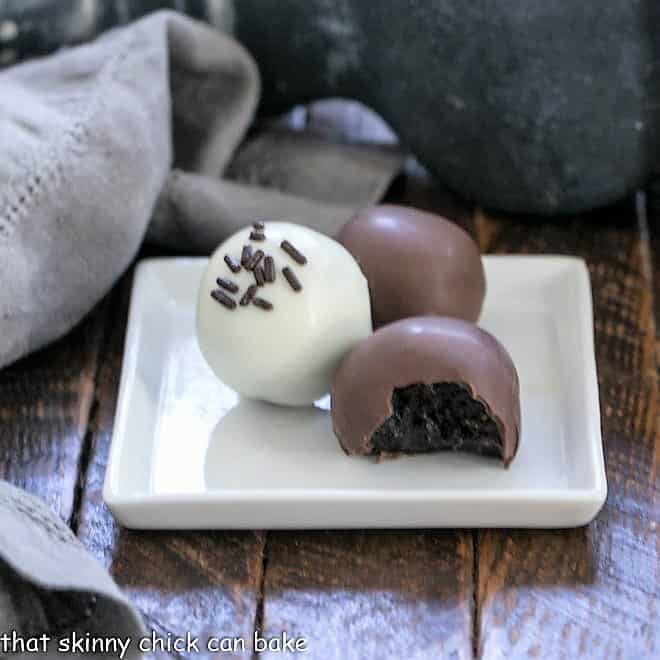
[(416, 264), (427, 351)]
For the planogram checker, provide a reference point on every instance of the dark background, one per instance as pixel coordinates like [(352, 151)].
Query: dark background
[(36, 27)]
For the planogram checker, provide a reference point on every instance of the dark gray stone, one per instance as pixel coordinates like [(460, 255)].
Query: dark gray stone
[(521, 105), (532, 106)]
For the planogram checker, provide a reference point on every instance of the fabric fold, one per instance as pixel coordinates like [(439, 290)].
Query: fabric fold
[(88, 138), (278, 176), (50, 585)]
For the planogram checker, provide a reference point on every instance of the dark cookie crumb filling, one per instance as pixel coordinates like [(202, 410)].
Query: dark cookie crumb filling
[(437, 417)]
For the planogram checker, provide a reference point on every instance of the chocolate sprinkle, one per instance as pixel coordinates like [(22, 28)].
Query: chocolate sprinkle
[(233, 264), (246, 254), (263, 304), (257, 236), (223, 299), (293, 253), (291, 278), (258, 225), (269, 269), (259, 275), (254, 260), (248, 295), (228, 285)]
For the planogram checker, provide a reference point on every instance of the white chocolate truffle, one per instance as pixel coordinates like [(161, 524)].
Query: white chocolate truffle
[(286, 354)]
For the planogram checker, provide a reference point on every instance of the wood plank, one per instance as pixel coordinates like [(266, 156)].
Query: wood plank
[(380, 594), (45, 402), (202, 583), (652, 207), (209, 583), (592, 592)]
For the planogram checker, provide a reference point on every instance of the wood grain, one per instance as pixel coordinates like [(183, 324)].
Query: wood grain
[(592, 592), (652, 208), (45, 401), (358, 595), (374, 594), (202, 583)]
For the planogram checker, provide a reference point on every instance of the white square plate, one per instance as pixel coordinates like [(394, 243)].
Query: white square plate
[(188, 453)]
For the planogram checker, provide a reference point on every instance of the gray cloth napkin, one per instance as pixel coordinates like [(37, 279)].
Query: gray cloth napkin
[(50, 585), (89, 138)]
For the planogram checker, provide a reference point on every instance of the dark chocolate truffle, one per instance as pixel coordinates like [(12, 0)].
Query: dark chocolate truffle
[(427, 384), (416, 263)]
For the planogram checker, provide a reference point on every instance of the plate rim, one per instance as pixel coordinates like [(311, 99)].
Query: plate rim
[(594, 496)]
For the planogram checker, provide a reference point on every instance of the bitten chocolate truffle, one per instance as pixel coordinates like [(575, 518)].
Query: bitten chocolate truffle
[(416, 264), (428, 384)]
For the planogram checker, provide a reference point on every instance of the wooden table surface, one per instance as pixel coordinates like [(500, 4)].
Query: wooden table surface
[(592, 592)]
